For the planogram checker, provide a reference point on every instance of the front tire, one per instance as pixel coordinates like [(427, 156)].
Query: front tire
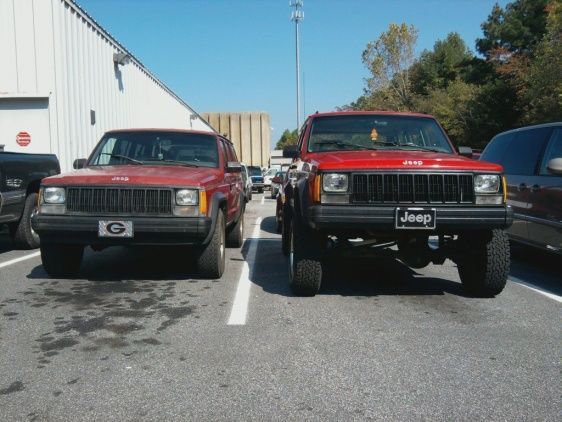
[(286, 231), (61, 260), (305, 265), (23, 234), (210, 262), (235, 236), (484, 265)]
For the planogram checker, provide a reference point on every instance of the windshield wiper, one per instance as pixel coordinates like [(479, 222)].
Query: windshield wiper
[(183, 163), (132, 160), (421, 148)]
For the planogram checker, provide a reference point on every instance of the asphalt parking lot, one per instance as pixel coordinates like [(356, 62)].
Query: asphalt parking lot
[(139, 337)]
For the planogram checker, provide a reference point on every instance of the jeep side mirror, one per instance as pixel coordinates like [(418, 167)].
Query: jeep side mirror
[(290, 151), (233, 167), (554, 166), (465, 152), (277, 180), (79, 163)]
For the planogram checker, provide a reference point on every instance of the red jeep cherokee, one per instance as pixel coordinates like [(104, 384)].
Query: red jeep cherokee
[(393, 179), (145, 187)]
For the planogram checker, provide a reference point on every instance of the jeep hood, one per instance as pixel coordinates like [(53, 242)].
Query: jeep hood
[(146, 175), (396, 160)]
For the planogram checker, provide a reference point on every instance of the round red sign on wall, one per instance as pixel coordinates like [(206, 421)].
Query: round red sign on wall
[(23, 139)]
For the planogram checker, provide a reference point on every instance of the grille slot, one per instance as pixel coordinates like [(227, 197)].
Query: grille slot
[(110, 200), (412, 188)]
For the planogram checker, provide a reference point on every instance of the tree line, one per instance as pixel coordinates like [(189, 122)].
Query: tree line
[(515, 80)]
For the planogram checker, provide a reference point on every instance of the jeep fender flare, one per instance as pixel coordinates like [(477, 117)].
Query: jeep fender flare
[(218, 202)]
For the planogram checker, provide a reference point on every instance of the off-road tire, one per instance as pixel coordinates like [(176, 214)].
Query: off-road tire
[(60, 261), (305, 259), (210, 262), (484, 263), (235, 235), (286, 230), (23, 234)]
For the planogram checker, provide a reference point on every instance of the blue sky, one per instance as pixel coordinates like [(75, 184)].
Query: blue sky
[(238, 55)]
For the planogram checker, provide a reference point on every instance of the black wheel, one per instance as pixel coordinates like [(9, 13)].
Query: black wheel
[(484, 263), (23, 234), (286, 230), (210, 261), (250, 196), (279, 225), (305, 259), (273, 194), (235, 236), (61, 260)]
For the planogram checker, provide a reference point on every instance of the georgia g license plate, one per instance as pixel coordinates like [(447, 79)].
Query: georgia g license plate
[(115, 228), (415, 218)]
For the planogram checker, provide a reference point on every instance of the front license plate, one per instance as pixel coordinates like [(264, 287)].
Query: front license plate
[(115, 228), (415, 218)]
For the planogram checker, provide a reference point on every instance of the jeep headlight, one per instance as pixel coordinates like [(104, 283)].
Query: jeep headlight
[(487, 183), (185, 197), (53, 195), (335, 182)]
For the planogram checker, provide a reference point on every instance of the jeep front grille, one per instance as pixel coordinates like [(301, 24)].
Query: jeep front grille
[(412, 188), (117, 200)]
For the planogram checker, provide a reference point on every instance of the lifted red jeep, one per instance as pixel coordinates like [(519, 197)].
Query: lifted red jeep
[(145, 187), (383, 179)]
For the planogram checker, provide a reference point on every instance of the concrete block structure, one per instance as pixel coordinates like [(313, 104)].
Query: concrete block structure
[(64, 81), (250, 133)]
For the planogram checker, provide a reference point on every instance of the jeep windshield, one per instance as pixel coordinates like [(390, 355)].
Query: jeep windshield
[(153, 147), (376, 132)]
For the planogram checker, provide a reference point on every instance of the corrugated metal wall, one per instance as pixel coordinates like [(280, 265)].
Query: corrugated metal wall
[(249, 132), (51, 49)]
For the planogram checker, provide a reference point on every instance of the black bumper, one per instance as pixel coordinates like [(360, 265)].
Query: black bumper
[(375, 218), (147, 230)]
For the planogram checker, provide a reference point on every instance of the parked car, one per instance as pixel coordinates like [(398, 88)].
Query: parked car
[(247, 180), (145, 187), (393, 179), (257, 178), (276, 184), (20, 178), (532, 159), (268, 175)]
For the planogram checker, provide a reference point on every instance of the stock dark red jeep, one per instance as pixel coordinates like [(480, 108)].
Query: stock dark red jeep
[(145, 187), (384, 179)]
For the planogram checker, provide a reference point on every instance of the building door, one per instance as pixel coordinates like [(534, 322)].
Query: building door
[(25, 116)]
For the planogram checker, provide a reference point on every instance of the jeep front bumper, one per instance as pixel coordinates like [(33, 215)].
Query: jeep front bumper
[(383, 218), (83, 230)]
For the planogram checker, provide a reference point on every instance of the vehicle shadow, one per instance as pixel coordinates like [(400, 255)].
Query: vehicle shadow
[(139, 263), (536, 267), (269, 225), (6, 244), (372, 275)]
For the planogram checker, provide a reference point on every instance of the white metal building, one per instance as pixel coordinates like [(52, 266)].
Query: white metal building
[(64, 81)]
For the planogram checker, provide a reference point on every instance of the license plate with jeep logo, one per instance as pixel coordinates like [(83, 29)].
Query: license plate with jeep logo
[(415, 218), (115, 228)]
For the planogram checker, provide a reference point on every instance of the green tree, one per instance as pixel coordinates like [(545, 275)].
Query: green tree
[(287, 138), (389, 59)]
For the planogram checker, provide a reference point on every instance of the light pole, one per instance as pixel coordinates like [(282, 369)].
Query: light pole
[(297, 15)]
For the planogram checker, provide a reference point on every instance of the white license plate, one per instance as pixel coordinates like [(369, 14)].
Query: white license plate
[(112, 228), (415, 218)]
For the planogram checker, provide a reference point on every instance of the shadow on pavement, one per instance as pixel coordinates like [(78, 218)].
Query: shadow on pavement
[(6, 244), (269, 225), (536, 267), (116, 264)]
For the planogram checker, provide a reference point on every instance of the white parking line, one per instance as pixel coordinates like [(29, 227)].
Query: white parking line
[(240, 305), (263, 200), (536, 289), (21, 258)]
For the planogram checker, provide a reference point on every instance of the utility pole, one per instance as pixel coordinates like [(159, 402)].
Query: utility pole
[(297, 15)]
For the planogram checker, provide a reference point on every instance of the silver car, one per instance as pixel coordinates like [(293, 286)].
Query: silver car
[(247, 183)]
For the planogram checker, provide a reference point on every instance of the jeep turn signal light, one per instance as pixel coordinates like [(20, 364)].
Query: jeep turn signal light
[(316, 189), (202, 202), (504, 182)]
